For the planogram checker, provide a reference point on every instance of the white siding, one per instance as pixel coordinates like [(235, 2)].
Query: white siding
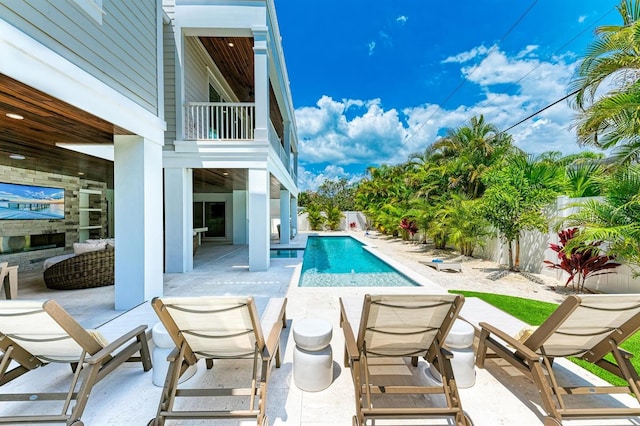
[(121, 52), (170, 96), (195, 71)]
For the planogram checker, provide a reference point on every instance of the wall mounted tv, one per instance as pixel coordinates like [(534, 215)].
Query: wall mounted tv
[(26, 202)]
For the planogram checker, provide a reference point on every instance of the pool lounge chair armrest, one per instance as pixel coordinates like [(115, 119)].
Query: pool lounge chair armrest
[(517, 345), (351, 348), (111, 347)]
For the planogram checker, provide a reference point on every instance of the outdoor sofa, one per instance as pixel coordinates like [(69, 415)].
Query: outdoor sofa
[(83, 269)]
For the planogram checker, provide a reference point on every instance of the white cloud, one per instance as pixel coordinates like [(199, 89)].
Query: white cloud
[(527, 50), (402, 19), (308, 180), (582, 18), (463, 57), (385, 38), (326, 135), (362, 132), (372, 46)]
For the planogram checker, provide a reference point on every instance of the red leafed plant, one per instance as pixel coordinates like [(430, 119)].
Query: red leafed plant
[(582, 261), (409, 225)]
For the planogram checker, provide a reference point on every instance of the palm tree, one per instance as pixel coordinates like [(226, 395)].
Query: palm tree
[(615, 219), (469, 151), (516, 194), (613, 119)]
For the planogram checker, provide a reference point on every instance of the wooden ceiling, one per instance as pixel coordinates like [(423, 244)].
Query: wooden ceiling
[(227, 180), (47, 121), (234, 58)]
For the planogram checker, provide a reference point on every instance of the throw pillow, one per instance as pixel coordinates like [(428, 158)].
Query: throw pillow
[(79, 248)]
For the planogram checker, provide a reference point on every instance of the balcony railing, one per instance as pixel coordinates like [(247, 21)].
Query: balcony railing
[(219, 121)]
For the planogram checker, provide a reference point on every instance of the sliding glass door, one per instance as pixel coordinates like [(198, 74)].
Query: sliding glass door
[(212, 215)]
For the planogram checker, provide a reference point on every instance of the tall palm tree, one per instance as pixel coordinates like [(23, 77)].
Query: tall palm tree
[(613, 119), (469, 151)]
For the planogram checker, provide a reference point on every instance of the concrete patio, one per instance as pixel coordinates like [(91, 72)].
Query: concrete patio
[(500, 395)]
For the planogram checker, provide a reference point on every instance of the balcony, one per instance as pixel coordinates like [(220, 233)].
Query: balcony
[(219, 121), (229, 122)]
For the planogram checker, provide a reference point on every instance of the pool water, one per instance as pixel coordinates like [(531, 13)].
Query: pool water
[(286, 253), (343, 262)]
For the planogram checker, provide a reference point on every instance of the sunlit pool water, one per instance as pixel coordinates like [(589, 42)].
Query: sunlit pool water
[(343, 262)]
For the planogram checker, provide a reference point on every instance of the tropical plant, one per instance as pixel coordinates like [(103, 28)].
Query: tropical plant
[(516, 194), (612, 119), (468, 152), (314, 216), (337, 192), (584, 260), (468, 229), (409, 228), (615, 218), (334, 216)]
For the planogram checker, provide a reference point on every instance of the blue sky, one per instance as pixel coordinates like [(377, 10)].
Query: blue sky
[(374, 81)]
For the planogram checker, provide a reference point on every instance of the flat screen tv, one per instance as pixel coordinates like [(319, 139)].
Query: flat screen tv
[(26, 202)]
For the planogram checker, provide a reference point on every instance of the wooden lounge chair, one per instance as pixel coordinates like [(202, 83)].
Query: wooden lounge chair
[(219, 328), (399, 328), (587, 327), (34, 334)]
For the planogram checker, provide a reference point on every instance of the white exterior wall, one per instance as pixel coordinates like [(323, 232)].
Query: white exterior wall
[(240, 217), (120, 49), (227, 199)]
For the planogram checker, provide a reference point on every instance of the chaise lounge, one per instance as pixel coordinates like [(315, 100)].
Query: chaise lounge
[(382, 333), (588, 327)]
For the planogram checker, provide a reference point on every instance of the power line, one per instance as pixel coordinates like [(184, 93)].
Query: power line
[(540, 110), (475, 68), (516, 82), (490, 102)]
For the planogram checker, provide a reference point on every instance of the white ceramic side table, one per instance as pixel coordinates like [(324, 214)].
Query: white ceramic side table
[(163, 345), (312, 355), (460, 342)]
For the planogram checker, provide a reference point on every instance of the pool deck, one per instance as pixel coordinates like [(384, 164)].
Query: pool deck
[(127, 396)]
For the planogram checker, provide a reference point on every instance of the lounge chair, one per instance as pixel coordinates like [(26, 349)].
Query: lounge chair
[(391, 330), (219, 328), (587, 327), (34, 334), (441, 265)]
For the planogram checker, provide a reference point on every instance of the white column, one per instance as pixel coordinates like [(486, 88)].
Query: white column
[(138, 220), (287, 143), (240, 218), (294, 216), (259, 230), (261, 83), (285, 219), (178, 219)]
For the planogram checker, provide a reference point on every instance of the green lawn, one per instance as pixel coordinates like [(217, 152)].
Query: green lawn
[(534, 312)]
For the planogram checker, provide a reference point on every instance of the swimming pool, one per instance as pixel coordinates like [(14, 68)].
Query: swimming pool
[(343, 262), (286, 253)]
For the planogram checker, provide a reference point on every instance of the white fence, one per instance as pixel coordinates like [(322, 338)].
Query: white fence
[(534, 250)]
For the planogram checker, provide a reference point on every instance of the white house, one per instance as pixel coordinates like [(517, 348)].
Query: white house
[(156, 107)]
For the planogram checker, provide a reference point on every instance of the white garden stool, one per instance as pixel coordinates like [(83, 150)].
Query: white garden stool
[(460, 342), (163, 345), (312, 355)]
